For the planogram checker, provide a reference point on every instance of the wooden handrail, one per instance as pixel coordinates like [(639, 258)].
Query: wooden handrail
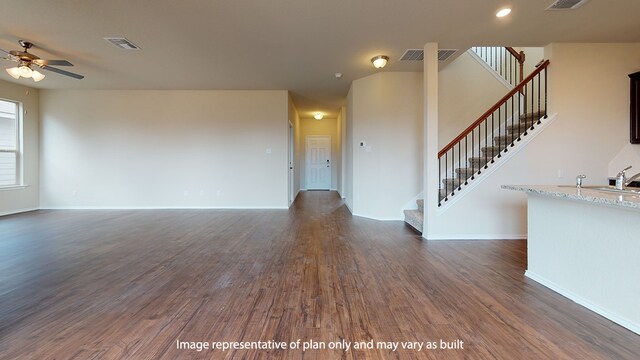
[(518, 55), (495, 107)]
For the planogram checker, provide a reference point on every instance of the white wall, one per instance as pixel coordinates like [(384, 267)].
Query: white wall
[(589, 91), (349, 144), (465, 91), (340, 144), (157, 149), (328, 127), (24, 198), (386, 113), (294, 120)]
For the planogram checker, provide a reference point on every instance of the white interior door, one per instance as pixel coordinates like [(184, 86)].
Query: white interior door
[(291, 170), (318, 162)]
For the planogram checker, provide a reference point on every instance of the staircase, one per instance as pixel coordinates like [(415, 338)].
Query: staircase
[(489, 154), (415, 218), (493, 134)]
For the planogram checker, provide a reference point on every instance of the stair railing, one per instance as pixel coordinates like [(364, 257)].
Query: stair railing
[(506, 61), (493, 133)]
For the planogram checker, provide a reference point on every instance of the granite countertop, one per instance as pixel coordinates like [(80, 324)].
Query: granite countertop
[(629, 201)]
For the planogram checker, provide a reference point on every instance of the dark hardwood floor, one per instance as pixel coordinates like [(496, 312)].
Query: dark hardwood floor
[(130, 284)]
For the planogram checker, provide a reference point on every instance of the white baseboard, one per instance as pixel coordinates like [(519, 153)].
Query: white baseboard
[(505, 237), (164, 208), (584, 302), (348, 207), (12, 212)]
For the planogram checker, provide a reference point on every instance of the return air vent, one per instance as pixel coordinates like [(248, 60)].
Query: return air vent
[(413, 55), (122, 43), (418, 54), (444, 54), (566, 4)]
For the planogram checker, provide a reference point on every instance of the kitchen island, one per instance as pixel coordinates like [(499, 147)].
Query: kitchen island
[(585, 245)]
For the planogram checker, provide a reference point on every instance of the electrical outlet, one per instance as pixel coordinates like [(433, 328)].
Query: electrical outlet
[(218, 193), (186, 193)]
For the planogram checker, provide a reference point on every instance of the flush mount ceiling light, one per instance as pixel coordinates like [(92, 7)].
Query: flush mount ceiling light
[(379, 61), (318, 116), (503, 12)]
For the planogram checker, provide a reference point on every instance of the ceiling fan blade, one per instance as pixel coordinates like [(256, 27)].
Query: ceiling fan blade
[(52, 62), (5, 51), (62, 72)]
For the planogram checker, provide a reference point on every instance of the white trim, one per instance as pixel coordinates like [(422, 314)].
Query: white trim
[(584, 302), (489, 69), (519, 145), (163, 208), (376, 218), (13, 187), (13, 212), (505, 237), (348, 207)]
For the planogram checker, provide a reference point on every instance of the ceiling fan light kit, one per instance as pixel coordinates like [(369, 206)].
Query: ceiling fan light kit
[(25, 60)]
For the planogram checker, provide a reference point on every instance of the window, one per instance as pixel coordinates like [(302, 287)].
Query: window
[(10, 148)]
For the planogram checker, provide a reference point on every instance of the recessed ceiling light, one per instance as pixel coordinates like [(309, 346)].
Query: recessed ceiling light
[(503, 12), (338, 75), (318, 116)]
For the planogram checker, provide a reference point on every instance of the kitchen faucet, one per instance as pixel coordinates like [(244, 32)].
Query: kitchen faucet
[(632, 179), (622, 181)]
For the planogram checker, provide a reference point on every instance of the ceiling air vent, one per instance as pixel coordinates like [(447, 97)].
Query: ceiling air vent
[(413, 55), (418, 54), (566, 4), (122, 43), (444, 54)]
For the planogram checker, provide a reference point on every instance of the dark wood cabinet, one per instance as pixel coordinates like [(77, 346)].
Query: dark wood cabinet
[(635, 108)]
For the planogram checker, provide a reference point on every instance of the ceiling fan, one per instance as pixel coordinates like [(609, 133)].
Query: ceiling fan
[(25, 60)]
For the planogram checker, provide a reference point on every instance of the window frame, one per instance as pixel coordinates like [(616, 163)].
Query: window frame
[(18, 149)]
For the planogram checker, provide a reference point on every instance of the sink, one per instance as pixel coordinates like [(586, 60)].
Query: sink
[(628, 191), (596, 187)]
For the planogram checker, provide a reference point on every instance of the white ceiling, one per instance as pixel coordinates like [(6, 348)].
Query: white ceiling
[(296, 45)]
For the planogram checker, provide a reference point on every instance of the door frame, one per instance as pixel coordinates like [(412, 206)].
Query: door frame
[(290, 165)]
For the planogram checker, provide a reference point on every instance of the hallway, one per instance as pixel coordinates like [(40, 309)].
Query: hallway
[(130, 284)]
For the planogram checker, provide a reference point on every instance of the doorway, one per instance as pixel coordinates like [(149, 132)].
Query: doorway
[(318, 162), (291, 170)]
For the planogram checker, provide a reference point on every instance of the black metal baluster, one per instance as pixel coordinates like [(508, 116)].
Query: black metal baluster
[(519, 114), (538, 76), (511, 135), (486, 142), (466, 162), (545, 93), (499, 130), (453, 176), (473, 150), (459, 162), (493, 139), (446, 185), (439, 180)]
